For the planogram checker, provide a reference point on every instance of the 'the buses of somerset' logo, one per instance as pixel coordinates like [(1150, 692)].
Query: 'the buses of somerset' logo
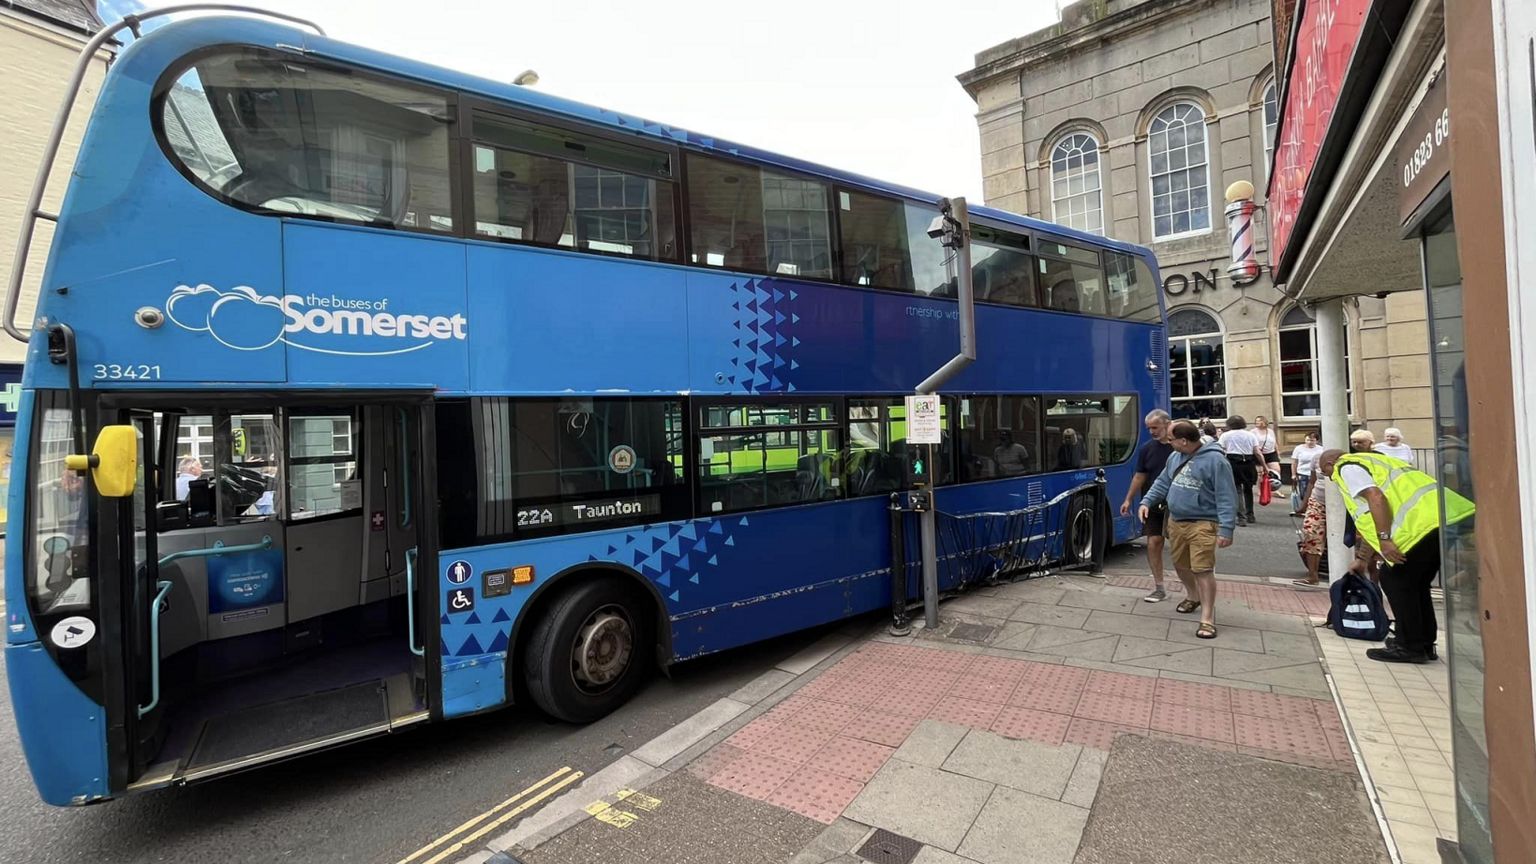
[(244, 320)]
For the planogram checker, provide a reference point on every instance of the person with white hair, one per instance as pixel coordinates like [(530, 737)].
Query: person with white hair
[(1393, 445), (188, 468)]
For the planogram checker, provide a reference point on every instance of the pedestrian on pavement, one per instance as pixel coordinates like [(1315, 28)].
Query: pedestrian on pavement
[(1396, 510), (1150, 461), (1242, 450), (1393, 446), (1303, 458), (1314, 524), (1361, 441), (1267, 444), (1208, 433), (1197, 491)]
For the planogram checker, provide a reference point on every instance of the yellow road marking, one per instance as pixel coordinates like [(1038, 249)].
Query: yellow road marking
[(443, 839), (617, 818), (491, 826)]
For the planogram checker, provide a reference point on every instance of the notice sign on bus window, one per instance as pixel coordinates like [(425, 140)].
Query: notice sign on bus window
[(588, 512), (922, 419)]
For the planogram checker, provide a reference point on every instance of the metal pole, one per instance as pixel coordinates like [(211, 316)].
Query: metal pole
[(1332, 389), (953, 229), (900, 626)]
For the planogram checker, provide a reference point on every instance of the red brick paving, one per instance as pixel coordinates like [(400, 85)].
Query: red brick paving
[(813, 752), (1259, 597)]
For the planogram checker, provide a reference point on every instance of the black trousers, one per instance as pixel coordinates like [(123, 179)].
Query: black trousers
[(1407, 588), (1244, 474)]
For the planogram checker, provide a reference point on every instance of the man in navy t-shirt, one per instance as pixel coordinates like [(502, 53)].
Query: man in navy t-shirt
[(1149, 465)]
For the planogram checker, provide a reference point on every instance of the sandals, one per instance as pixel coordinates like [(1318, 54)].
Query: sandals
[(1187, 606), (1206, 631), (1302, 583)]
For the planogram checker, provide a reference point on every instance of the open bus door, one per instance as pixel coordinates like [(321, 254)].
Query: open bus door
[(268, 600)]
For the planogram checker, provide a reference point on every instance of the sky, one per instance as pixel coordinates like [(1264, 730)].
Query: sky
[(862, 85)]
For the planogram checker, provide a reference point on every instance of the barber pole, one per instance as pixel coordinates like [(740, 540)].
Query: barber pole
[(1240, 209)]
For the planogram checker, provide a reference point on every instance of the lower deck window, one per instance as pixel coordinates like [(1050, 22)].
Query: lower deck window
[(764, 455)]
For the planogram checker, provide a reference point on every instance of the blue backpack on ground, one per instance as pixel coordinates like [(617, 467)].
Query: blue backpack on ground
[(1358, 611)]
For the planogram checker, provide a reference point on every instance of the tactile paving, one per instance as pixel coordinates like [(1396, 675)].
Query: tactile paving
[(1114, 709), (1092, 733), (816, 794), (715, 760), (983, 688), (852, 758), (1027, 723), (1207, 743), (1205, 696), (1194, 722), (826, 716), (916, 703), (1055, 676), (795, 742), (1274, 706), (1124, 686), (882, 727), (1061, 699), (965, 712), (754, 734), (1282, 736), (754, 775)]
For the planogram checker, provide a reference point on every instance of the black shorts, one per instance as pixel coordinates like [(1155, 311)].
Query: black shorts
[(1153, 527)]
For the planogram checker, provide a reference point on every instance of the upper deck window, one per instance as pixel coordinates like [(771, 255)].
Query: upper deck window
[(885, 244), (287, 137), (540, 184), (748, 218)]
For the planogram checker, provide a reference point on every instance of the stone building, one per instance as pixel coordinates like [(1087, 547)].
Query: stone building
[(39, 43), (1130, 118)]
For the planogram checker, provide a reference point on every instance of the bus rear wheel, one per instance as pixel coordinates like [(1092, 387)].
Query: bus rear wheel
[(1080, 534), (590, 651)]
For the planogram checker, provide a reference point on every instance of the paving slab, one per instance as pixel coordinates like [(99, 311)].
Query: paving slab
[(1193, 662), (1017, 827), (930, 743), (1228, 636), (1291, 644), (902, 798), (1084, 785), (763, 686), (1040, 613), (1224, 807), (1099, 600), (807, 658), (1123, 624), (981, 604), (1021, 764), (1101, 649), (1014, 635), (930, 855), (1135, 647), (1050, 637)]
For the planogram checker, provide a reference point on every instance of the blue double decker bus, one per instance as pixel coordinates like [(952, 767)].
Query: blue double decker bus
[(416, 395)]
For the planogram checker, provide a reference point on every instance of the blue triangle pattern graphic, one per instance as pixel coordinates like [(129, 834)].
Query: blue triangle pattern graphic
[(501, 615), (474, 618), (471, 646), (499, 643)]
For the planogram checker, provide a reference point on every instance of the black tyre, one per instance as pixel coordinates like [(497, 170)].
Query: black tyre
[(590, 651), (1081, 531)]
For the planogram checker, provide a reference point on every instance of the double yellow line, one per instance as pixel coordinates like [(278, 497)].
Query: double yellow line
[(544, 788)]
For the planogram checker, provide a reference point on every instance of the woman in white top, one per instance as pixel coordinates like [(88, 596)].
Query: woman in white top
[(1393, 445), (1242, 450), (1301, 470), (1266, 439)]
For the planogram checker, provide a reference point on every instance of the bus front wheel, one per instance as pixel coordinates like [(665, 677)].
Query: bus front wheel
[(590, 651), (1080, 533)]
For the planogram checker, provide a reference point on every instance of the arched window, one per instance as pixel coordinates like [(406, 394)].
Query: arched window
[(1271, 120), (1197, 366), (1077, 199), (1299, 379), (1181, 189)]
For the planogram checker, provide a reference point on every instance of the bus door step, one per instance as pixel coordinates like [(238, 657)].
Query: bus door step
[(278, 730)]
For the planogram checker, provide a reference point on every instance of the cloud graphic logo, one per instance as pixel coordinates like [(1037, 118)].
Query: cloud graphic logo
[(240, 318), (245, 320)]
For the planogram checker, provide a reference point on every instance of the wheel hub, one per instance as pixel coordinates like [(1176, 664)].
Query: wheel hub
[(603, 648)]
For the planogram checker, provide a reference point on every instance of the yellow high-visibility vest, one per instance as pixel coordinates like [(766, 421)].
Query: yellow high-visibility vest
[(1413, 496)]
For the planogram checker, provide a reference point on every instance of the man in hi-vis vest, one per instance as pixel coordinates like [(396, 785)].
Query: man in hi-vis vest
[(1396, 509)]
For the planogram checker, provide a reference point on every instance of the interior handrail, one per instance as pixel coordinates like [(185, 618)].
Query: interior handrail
[(61, 121)]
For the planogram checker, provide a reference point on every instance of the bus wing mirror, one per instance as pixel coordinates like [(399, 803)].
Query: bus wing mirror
[(113, 463)]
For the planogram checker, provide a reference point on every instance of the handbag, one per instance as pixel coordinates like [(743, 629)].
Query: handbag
[(1161, 507)]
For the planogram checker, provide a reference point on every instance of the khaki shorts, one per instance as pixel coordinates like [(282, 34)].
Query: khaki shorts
[(1193, 544)]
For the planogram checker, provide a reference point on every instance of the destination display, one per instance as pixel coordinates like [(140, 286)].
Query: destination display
[(593, 512)]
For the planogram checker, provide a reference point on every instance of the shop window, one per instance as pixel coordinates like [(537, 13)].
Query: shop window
[(1271, 120), (879, 457), (1299, 379), (1197, 368), (1089, 431), (1077, 199), (1180, 177), (754, 455)]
